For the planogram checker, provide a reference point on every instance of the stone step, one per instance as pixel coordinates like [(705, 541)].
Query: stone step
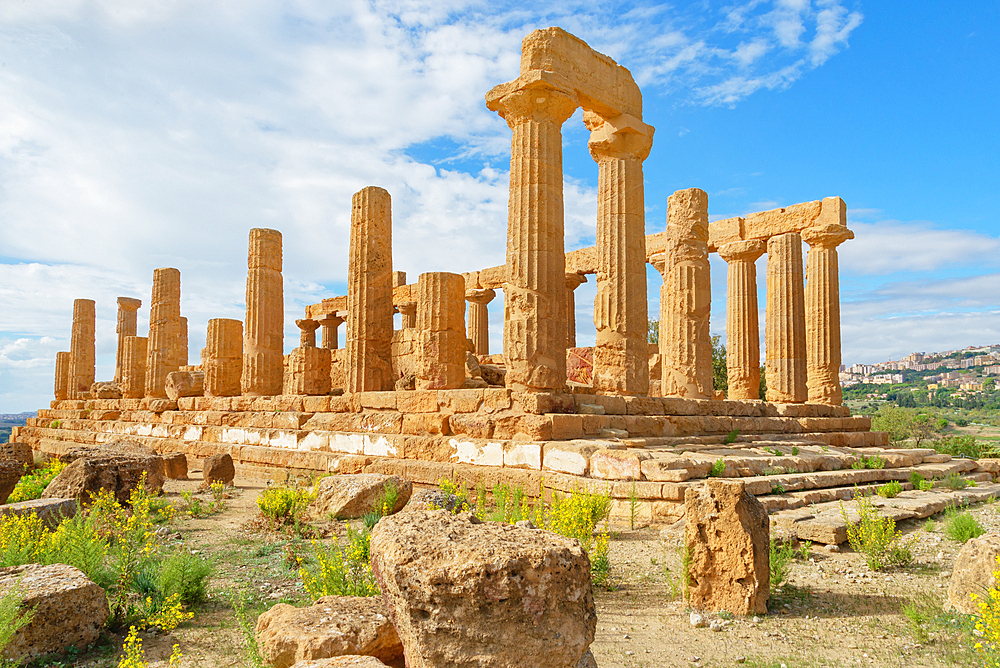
[(823, 522)]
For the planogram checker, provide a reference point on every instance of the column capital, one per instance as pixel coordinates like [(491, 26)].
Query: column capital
[(539, 104), (329, 320), (407, 308), (480, 295), (307, 324), (129, 303), (659, 261), (826, 236), (748, 250), (574, 280), (620, 138)]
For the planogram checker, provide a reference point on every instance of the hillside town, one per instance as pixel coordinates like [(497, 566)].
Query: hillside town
[(968, 369)]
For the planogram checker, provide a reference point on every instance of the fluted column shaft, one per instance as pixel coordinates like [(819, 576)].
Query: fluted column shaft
[(441, 345), (479, 319), (621, 356), (785, 328), (330, 323), (134, 355), (82, 348), (263, 334), (742, 328), (822, 305), (127, 315), (223, 363), (62, 382), (182, 342), (686, 299), (573, 281), (408, 313), (164, 330), (369, 293), (535, 293)]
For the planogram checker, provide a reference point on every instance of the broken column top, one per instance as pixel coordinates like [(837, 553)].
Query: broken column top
[(553, 58), (265, 249), (129, 303)]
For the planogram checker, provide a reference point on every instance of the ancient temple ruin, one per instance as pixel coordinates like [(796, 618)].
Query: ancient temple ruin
[(429, 400)]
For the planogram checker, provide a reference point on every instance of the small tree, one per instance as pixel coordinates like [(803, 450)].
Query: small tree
[(653, 332), (720, 374)]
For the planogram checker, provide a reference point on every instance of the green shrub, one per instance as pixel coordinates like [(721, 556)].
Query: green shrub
[(12, 618), (341, 571), (781, 557), (284, 504), (718, 468), (890, 489), (731, 437), (955, 481), (959, 446), (31, 485), (387, 498), (876, 537), (869, 462), (919, 482), (185, 575), (961, 526)]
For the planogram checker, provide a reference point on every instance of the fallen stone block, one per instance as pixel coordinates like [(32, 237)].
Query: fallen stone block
[(10, 473), (973, 573), (19, 452), (50, 511), (353, 496), (728, 540), (462, 592), (332, 627), (118, 472), (175, 465), (219, 468), (70, 610)]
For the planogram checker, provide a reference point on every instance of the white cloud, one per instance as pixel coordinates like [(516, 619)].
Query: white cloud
[(893, 246)]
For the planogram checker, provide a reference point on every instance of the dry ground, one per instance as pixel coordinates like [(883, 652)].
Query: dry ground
[(833, 612)]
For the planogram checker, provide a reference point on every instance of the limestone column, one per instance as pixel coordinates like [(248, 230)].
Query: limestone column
[(409, 312), (822, 305), (686, 299), (742, 328), (82, 348), (330, 322), (127, 314), (62, 376), (223, 362), (182, 342), (307, 332), (263, 333), (369, 293), (535, 294), (479, 318), (573, 281), (164, 325), (134, 355), (441, 345), (621, 356), (785, 327)]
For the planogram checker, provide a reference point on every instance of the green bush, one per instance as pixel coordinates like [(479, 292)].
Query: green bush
[(955, 481), (186, 575), (781, 557), (718, 468), (284, 504), (890, 489), (961, 526), (31, 485), (919, 482), (876, 537), (959, 446), (341, 570), (12, 618), (869, 462)]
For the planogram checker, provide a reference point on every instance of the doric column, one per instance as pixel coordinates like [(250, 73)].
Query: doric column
[(822, 302), (164, 328), (330, 322), (127, 313), (479, 318), (409, 312), (369, 293), (785, 326), (686, 299), (82, 349), (223, 362), (62, 376), (441, 345), (621, 356), (307, 332), (263, 334), (182, 342), (742, 329), (535, 294), (573, 281), (134, 355)]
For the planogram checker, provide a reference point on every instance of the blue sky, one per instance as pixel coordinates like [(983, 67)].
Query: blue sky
[(135, 135)]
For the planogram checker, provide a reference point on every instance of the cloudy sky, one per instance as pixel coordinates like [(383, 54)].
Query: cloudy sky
[(141, 134)]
